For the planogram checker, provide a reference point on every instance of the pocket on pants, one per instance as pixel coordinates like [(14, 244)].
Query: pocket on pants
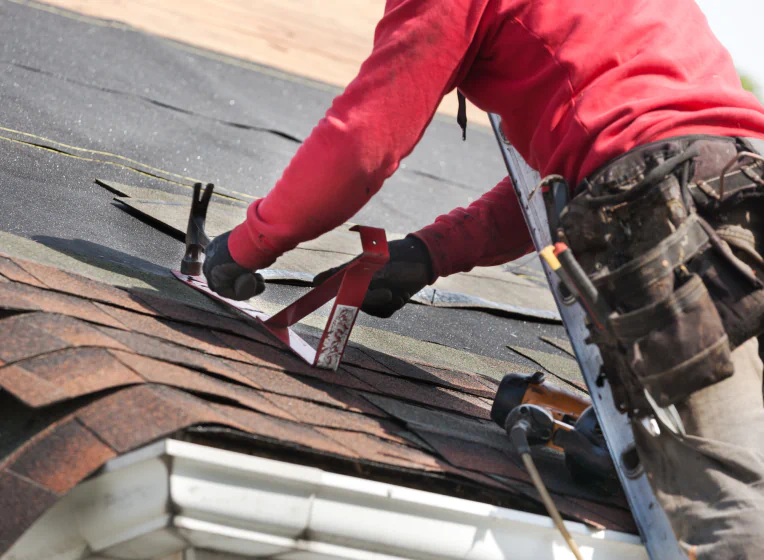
[(678, 345)]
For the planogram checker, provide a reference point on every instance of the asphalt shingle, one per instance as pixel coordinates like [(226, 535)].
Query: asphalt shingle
[(64, 375), (22, 502), (61, 456), (152, 368)]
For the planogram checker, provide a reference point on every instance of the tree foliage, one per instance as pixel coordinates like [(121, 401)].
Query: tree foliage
[(750, 84)]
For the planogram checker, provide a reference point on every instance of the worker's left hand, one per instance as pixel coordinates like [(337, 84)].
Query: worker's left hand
[(408, 270), (225, 276)]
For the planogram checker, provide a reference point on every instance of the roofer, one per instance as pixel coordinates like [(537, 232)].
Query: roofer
[(637, 103)]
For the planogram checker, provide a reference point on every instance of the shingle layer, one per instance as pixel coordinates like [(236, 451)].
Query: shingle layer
[(136, 368)]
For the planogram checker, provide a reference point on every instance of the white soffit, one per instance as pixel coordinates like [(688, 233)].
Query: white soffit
[(173, 496)]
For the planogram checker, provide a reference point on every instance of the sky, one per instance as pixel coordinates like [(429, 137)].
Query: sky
[(739, 25)]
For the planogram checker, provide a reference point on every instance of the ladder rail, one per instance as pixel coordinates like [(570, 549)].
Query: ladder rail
[(650, 518)]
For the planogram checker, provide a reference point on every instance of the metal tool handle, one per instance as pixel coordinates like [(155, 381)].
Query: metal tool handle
[(196, 238)]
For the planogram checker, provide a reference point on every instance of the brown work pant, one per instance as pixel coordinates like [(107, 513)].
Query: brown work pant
[(710, 482)]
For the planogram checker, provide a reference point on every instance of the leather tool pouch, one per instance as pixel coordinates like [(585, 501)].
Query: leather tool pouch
[(676, 346), (684, 299)]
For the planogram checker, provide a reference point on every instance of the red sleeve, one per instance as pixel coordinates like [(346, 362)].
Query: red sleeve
[(491, 231), (419, 46)]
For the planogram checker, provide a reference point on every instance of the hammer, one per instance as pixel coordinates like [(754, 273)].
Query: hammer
[(196, 239)]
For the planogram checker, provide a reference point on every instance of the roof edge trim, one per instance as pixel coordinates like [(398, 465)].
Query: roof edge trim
[(254, 507)]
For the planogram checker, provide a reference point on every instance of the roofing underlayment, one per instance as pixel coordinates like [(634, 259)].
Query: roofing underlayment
[(104, 130)]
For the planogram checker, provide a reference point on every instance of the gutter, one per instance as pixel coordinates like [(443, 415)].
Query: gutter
[(174, 496)]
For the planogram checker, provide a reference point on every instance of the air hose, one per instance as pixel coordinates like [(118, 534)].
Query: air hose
[(518, 434)]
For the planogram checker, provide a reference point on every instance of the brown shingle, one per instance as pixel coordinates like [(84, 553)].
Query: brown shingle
[(363, 358), (20, 340), (15, 297), (304, 388), (218, 321), (207, 341), (22, 502), (167, 352), (484, 481), (64, 375), (328, 417), (164, 373), (136, 416), (14, 272), (284, 360), (26, 298), (61, 457), (73, 331), (459, 381), (196, 338), (146, 324), (264, 355), (479, 407), (426, 394), (62, 281), (282, 430), (443, 422), (474, 456), (374, 449), (340, 377)]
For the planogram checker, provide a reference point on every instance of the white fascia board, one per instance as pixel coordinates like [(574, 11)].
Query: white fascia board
[(261, 508)]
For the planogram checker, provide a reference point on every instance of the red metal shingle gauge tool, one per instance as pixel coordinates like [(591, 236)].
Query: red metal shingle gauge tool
[(348, 286)]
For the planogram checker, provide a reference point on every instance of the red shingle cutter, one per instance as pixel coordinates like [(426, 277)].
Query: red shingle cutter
[(348, 286)]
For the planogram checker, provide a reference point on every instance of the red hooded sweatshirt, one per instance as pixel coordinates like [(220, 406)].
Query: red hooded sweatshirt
[(576, 83)]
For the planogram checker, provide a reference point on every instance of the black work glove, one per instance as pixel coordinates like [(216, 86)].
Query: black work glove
[(408, 271), (225, 276)]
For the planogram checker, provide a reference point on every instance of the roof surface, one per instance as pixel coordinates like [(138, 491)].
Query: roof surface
[(100, 371), (102, 351)]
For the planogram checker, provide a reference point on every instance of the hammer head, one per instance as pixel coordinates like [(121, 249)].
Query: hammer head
[(196, 239)]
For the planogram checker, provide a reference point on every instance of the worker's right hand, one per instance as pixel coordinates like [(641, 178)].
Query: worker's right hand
[(408, 271), (225, 276)]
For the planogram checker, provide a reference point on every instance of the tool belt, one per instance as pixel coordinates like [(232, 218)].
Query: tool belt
[(670, 235)]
